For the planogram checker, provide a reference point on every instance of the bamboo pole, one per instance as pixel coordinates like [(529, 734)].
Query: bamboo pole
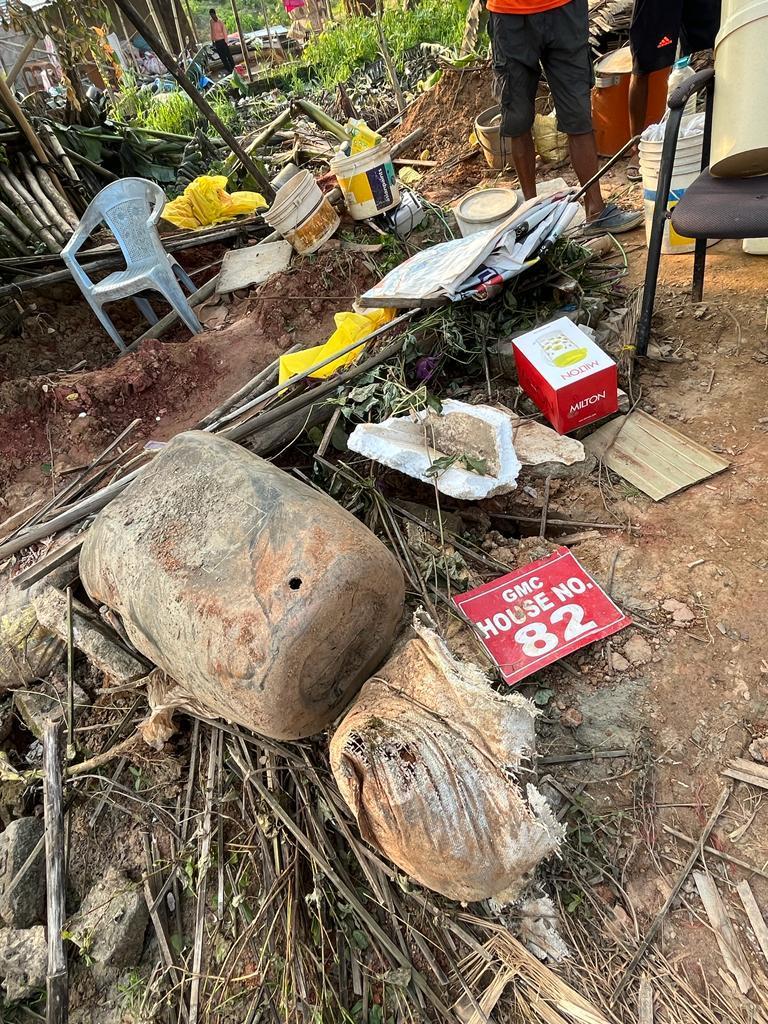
[(161, 29), (192, 25), (35, 188), (18, 115), (390, 64), (177, 25), (24, 213), (61, 202), (53, 800), (243, 45), (37, 211), (21, 60), (200, 102)]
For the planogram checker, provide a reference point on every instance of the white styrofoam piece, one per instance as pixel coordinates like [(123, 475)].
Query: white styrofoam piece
[(400, 443), (243, 268)]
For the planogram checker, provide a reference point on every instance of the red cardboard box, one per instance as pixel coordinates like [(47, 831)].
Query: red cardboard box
[(571, 380)]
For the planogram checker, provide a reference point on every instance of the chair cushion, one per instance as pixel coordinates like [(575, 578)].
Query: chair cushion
[(723, 208)]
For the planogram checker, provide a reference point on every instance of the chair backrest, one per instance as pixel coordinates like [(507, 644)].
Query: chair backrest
[(130, 208)]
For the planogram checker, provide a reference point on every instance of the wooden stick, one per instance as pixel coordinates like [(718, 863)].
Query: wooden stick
[(675, 891), (712, 852), (56, 980), (21, 60), (389, 63), (262, 377), (204, 864), (200, 102), (18, 115), (70, 676), (754, 914), (725, 936), (243, 44)]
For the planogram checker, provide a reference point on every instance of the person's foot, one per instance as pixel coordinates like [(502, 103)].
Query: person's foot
[(613, 221)]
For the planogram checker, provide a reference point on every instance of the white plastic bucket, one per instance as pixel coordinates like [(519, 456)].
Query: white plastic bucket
[(367, 181), (302, 214), (739, 137), (484, 208), (755, 246), (686, 170)]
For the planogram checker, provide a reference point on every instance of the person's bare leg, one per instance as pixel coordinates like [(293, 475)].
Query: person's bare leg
[(584, 160), (524, 159), (638, 103)]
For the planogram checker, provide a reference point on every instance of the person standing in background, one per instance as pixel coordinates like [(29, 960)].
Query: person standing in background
[(656, 27), (526, 36), (219, 39)]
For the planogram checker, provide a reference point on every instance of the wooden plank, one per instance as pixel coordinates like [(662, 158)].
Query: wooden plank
[(655, 458), (754, 914), (49, 562), (729, 945)]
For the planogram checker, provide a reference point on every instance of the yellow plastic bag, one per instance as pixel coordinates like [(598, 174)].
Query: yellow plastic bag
[(350, 327), (206, 201)]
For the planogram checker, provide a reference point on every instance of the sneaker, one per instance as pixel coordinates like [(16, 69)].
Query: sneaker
[(614, 221)]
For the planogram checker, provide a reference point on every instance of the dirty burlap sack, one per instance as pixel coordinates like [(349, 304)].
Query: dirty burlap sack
[(429, 758), (550, 144), (264, 601)]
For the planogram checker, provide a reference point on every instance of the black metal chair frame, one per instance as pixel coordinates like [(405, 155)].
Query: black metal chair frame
[(702, 81)]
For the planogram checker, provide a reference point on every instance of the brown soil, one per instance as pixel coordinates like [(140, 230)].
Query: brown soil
[(63, 420), (448, 114)]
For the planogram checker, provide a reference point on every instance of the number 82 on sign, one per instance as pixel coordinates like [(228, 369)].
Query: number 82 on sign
[(539, 614)]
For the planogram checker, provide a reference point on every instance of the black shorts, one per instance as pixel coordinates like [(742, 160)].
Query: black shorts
[(556, 40), (657, 25)]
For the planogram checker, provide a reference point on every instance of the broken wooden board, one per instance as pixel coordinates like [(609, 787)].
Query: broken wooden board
[(747, 771), (254, 264), (651, 456), (730, 948)]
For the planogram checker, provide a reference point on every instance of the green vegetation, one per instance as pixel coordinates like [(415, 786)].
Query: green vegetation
[(341, 49), (251, 15), (170, 112)]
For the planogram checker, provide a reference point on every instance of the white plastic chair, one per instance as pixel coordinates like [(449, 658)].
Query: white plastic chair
[(130, 208)]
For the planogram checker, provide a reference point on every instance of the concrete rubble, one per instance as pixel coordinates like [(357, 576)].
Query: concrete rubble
[(111, 921), (23, 906)]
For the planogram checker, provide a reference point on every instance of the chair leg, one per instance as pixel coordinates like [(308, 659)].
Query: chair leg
[(183, 276), (699, 262), (107, 324), (172, 290), (145, 306), (651, 278)]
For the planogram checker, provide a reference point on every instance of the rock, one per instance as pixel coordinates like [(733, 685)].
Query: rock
[(620, 663), (758, 749), (107, 656), (536, 443), (572, 718), (681, 613), (34, 706), (24, 906), (23, 961), (637, 650), (111, 921), (27, 650)]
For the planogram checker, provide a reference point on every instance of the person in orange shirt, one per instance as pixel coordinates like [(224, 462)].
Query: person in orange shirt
[(526, 37), (219, 39)]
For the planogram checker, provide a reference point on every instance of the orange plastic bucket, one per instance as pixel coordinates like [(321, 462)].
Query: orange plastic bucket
[(610, 100)]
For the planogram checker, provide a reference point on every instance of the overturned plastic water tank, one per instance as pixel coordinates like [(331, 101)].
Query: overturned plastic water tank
[(264, 600)]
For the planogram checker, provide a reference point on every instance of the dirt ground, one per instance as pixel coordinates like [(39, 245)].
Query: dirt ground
[(682, 691)]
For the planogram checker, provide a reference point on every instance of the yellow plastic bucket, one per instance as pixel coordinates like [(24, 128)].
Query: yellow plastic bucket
[(367, 181)]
